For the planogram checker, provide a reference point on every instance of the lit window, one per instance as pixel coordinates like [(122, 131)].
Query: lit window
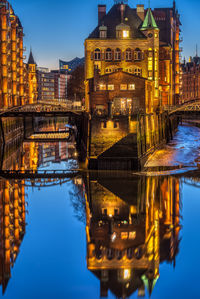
[(132, 235), (127, 274), (124, 235), (102, 87), (131, 86), (125, 33), (111, 87), (123, 87)]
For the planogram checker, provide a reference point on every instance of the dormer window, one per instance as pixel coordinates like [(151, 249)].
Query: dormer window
[(123, 31), (103, 31)]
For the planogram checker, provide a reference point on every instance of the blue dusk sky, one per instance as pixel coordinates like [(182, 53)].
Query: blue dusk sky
[(57, 29)]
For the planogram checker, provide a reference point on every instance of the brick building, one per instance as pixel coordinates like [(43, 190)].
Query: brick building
[(60, 84), (190, 87), (134, 42), (16, 78)]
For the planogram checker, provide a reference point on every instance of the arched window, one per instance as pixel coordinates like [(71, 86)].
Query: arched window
[(97, 54), (128, 55), (108, 55), (137, 54), (118, 54)]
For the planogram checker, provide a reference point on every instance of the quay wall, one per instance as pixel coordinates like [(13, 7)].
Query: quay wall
[(125, 142)]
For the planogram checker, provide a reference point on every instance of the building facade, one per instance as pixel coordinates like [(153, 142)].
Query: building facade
[(136, 42), (60, 85), (46, 83), (190, 87), (15, 76)]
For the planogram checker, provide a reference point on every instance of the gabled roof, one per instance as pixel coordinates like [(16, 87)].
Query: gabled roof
[(31, 59), (113, 19), (149, 21)]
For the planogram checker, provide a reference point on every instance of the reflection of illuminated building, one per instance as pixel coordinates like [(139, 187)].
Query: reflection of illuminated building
[(12, 226), (132, 226)]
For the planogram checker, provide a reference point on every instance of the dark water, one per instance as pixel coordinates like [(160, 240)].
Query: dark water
[(114, 235)]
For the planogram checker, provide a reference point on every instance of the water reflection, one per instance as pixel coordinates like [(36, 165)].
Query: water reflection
[(133, 225), (12, 226)]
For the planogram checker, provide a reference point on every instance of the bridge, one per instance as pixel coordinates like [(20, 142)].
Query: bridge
[(42, 109), (188, 107)]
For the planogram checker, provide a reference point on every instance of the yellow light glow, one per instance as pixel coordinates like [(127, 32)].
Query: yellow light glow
[(127, 274), (125, 33)]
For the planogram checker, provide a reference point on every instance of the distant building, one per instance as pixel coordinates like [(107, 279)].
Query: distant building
[(60, 84), (46, 83), (190, 86), (70, 66)]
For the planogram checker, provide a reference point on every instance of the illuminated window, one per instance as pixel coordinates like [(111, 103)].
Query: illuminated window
[(128, 55), (131, 86), (111, 87), (123, 87), (124, 235), (132, 235), (97, 54), (125, 33), (127, 274), (108, 55), (117, 54), (102, 87)]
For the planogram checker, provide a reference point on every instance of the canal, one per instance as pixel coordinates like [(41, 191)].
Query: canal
[(106, 234)]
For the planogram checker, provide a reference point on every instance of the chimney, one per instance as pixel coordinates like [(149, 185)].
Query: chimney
[(101, 12), (140, 11)]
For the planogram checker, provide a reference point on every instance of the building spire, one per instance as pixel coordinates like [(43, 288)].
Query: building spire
[(149, 21), (196, 50), (31, 59)]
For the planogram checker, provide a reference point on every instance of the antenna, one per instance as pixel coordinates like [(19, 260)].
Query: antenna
[(121, 1), (196, 50)]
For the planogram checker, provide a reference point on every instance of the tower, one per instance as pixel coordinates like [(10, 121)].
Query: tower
[(32, 79)]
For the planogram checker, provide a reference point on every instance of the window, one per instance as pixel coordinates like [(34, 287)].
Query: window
[(97, 54), (125, 33), (117, 54), (128, 55), (138, 71), (138, 54), (131, 87), (123, 87), (103, 34), (108, 55), (111, 87), (102, 87)]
